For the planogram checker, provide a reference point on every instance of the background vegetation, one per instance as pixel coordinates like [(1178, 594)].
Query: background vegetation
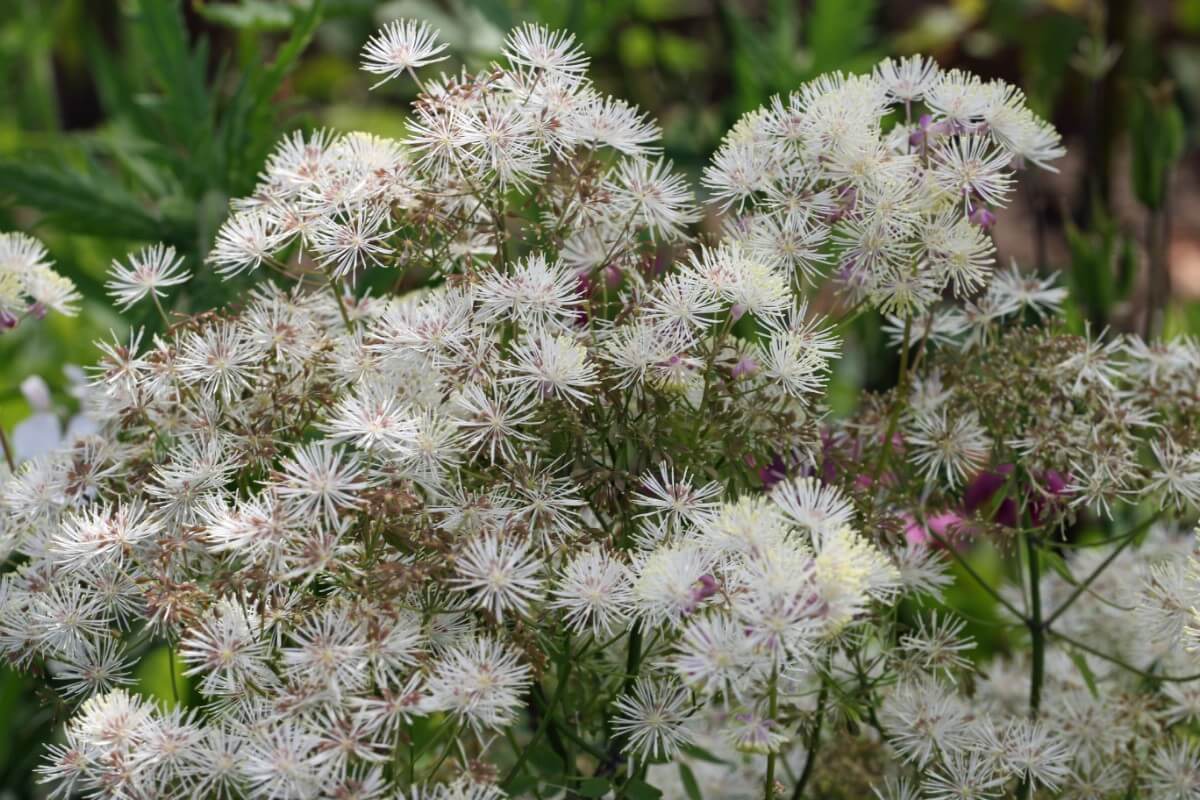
[(130, 122)]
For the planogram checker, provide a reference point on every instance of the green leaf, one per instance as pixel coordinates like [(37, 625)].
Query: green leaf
[(593, 787), (246, 130), (640, 790), (154, 678), (184, 105), (700, 754), (838, 32), (248, 15), (1089, 677), (1156, 128), (1059, 565), (83, 204), (689, 782)]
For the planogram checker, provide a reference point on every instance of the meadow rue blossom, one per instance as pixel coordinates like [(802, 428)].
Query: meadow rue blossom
[(148, 273), (569, 493), (28, 283), (401, 45)]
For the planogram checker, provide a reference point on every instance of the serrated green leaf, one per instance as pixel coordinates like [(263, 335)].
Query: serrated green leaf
[(246, 131), (83, 204), (185, 106)]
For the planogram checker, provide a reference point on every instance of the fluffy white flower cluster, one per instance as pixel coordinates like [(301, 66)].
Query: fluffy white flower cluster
[(515, 525), (440, 199), (826, 179), (29, 286), (355, 516)]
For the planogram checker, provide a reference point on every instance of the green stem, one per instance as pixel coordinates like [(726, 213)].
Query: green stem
[(161, 312), (814, 741), (1037, 628), (632, 663), (335, 286), (772, 712), (1127, 539), (446, 751), (171, 669), (987, 587), (1122, 664), (564, 672), (900, 400)]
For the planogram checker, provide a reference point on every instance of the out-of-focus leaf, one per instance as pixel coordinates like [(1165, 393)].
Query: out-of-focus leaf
[(1048, 51), (248, 15), (640, 790), (1156, 128), (636, 47), (688, 779), (246, 132), (1095, 259), (83, 204), (184, 105), (1089, 677), (837, 32), (593, 787), (155, 679)]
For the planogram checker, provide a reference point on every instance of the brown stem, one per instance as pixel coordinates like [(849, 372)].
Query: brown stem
[(8, 453)]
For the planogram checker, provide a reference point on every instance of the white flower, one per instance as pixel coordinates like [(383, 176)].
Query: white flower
[(541, 295), (594, 592), (539, 48), (548, 366), (317, 479), (1037, 754), (938, 644), (971, 168), (480, 681), (666, 583), (1028, 291), (714, 654), (149, 271), (350, 242), (496, 420), (660, 199), (923, 718), (226, 650), (957, 447), (244, 241), (675, 497), (371, 419), (329, 651), (51, 290), (653, 718), (502, 573), (909, 78), (818, 508), (791, 361), (1173, 772), (1177, 475), (963, 776), (401, 45), (499, 139)]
